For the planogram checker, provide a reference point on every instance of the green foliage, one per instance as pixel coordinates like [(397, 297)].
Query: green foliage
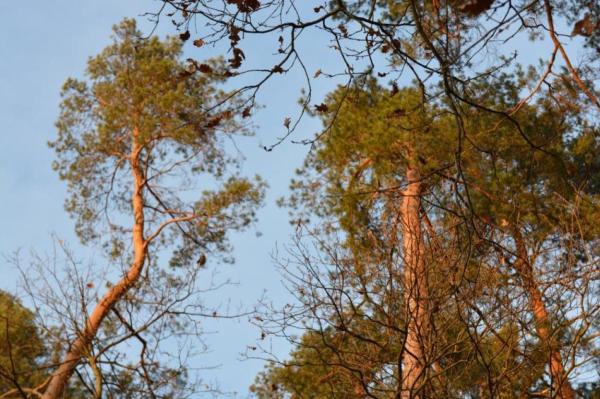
[(533, 170), (358, 168), (519, 167), (332, 364), (21, 346), (523, 169), (139, 94)]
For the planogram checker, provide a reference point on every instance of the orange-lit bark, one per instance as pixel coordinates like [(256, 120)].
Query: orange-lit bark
[(415, 286), (562, 386), (81, 344)]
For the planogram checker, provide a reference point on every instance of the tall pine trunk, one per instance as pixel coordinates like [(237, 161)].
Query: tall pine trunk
[(81, 345), (560, 382), (414, 364)]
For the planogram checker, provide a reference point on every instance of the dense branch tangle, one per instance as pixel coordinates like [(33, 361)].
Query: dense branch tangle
[(445, 47), (445, 41), (477, 303)]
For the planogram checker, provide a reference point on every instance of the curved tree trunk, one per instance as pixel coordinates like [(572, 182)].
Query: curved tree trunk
[(81, 345), (560, 382), (415, 295)]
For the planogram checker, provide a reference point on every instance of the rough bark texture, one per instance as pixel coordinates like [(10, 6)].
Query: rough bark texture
[(560, 382), (415, 294), (80, 346)]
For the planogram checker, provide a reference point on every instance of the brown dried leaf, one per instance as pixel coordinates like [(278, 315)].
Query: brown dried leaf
[(585, 26), (185, 35), (234, 34), (238, 57), (475, 7), (245, 5), (213, 122)]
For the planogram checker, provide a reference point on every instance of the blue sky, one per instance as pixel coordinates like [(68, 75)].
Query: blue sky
[(43, 43)]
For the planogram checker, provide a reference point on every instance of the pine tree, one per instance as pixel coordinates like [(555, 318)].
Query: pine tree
[(478, 220), (134, 139)]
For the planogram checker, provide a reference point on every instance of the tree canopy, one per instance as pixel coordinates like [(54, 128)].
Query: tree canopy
[(495, 276), (446, 214)]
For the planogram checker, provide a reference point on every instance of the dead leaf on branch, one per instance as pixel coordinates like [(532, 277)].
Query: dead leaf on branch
[(585, 27), (214, 122), (196, 66), (185, 35), (246, 5), (475, 7), (234, 34), (238, 57)]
